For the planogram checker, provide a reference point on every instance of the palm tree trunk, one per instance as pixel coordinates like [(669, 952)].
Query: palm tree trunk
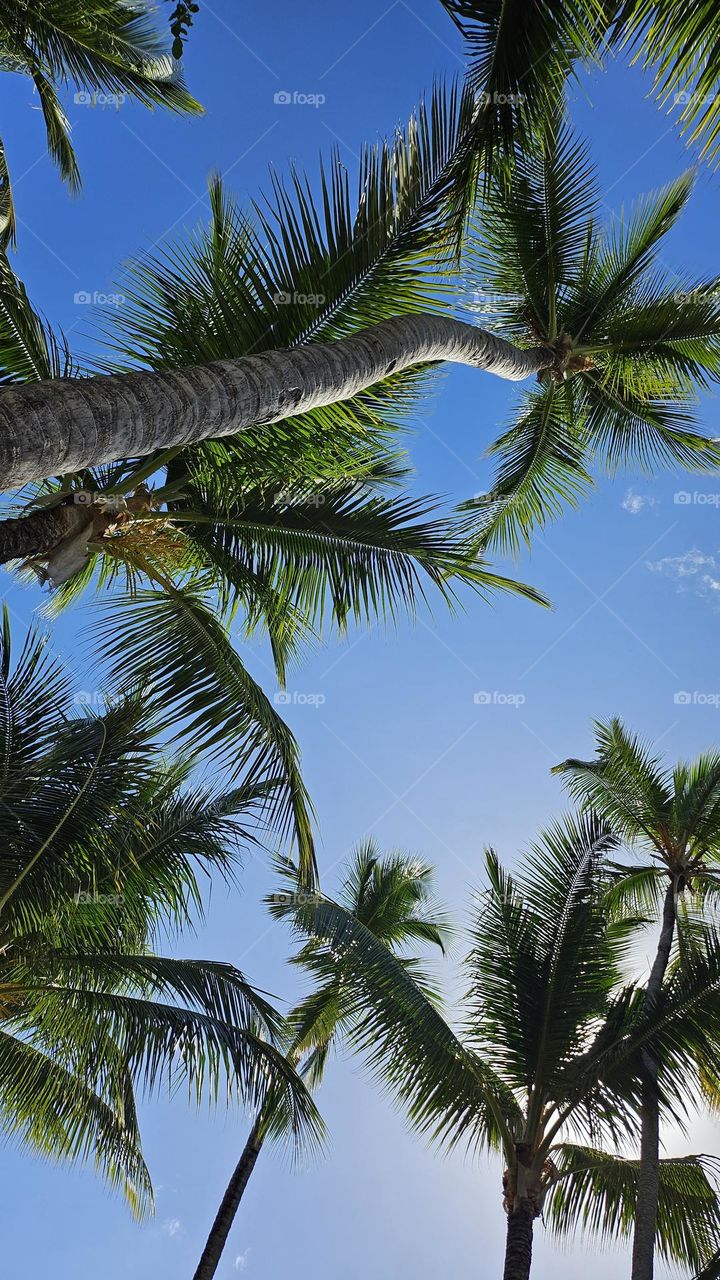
[(35, 534), (51, 428), (643, 1255), (519, 1241), (229, 1205)]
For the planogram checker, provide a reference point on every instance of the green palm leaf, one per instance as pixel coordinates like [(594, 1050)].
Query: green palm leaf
[(596, 1192), (192, 669)]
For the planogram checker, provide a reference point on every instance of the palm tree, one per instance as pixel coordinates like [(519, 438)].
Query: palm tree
[(621, 350), (671, 819), (389, 895), (546, 1072), (100, 46), (102, 844), (290, 528)]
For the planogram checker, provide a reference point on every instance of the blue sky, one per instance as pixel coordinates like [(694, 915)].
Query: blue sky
[(395, 743)]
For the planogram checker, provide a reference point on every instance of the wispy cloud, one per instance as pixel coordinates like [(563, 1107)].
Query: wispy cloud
[(172, 1227), (693, 571), (241, 1261), (636, 502)]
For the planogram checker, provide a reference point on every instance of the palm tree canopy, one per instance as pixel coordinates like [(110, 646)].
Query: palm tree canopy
[(638, 346), (522, 53), (391, 895), (288, 530), (102, 846), (671, 814)]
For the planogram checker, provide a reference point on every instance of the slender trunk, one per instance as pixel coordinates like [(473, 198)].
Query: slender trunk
[(50, 428), (230, 1203), (643, 1254), (519, 1241)]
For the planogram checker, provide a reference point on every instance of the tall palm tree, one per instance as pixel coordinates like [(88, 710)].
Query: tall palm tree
[(391, 896), (546, 1071), (99, 46), (102, 845), (671, 819)]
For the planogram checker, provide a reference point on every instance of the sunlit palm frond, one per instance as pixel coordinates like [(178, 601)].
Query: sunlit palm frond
[(542, 470), (191, 670)]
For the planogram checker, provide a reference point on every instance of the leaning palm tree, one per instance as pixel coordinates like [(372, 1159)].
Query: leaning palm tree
[(671, 819), (547, 1070), (102, 846), (98, 46), (620, 349), (288, 529), (391, 896)]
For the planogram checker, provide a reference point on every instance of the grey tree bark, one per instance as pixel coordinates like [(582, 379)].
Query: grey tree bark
[(50, 428), (643, 1253), (519, 1241), (230, 1203)]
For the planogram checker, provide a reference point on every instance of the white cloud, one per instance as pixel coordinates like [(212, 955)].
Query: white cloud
[(636, 502), (172, 1227), (689, 564), (692, 571), (241, 1261)]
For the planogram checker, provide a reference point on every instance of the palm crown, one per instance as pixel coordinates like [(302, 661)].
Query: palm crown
[(669, 817), (102, 846), (635, 346)]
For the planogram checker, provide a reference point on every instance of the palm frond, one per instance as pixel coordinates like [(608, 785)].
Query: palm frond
[(446, 1090), (172, 643), (596, 1193), (542, 470), (53, 1112)]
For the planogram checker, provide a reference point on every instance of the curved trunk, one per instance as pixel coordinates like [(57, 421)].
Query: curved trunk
[(519, 1241), (225, 1217), (643, 1254), (51, 428)]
